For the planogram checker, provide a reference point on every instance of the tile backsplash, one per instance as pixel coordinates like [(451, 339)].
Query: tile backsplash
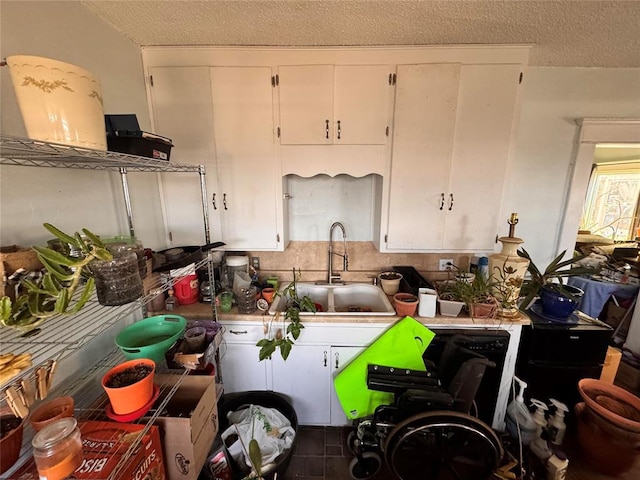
[(365, 261)]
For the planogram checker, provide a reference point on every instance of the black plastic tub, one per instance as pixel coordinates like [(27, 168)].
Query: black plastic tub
[(236, 401)]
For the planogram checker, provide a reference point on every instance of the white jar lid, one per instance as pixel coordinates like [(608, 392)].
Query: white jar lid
[(237, 261)]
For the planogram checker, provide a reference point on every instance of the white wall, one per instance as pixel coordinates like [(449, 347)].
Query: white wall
[(73, 199), (545, 142)]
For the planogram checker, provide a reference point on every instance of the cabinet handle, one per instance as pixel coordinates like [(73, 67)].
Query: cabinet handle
[(325, 358), (450, 201), (337, 360), (441, 201), (224, 200), (213, 201), (326, 128), (238, 332), (339, 129)]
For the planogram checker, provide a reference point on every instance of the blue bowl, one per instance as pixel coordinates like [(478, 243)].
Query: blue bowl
[(557, 305)]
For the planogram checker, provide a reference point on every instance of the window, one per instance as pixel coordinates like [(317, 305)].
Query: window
[(611, 206)]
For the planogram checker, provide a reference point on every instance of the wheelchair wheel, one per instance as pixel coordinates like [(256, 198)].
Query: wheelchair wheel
[(366, 467), (352, 438), (442, 445)]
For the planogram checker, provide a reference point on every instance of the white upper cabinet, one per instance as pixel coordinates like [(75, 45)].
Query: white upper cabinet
[(181, 110), (334, 104), (222, 118), (249, 181), (452, 134), (425, 116)]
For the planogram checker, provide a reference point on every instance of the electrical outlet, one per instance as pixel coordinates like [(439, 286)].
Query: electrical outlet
[(255, 262), (445, 264)]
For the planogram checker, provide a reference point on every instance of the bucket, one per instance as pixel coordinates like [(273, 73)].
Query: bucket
[(236, 401), (59, 102)]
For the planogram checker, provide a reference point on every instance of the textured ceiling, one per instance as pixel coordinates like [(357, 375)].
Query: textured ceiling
[(564, 33)]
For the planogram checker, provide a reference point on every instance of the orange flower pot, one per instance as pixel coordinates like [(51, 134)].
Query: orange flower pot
[(49, 412), (405, 304), (268, 293), (129, 398)]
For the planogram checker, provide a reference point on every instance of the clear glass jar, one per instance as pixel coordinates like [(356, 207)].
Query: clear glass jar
[(57, 449), (117, 281)]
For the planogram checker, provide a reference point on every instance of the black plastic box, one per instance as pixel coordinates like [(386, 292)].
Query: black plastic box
[(412, 280), (124, 136)]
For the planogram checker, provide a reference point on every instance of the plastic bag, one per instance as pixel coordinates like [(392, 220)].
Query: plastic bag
[(270, 428)]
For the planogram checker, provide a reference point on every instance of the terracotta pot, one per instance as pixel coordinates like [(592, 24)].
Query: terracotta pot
[(49, 412), (611, 455), (268, 293), (130, 398), (483, 310), (613, 403), (405, 304), (11, 443)]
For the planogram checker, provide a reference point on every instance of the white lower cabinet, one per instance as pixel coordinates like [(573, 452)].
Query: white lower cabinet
[(241, 370), (340, 356), (305, 378)]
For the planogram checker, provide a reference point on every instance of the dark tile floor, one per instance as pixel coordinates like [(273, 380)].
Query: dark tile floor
[(321, 453)]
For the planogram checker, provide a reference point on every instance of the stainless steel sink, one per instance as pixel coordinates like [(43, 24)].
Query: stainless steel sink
[(352, 299)]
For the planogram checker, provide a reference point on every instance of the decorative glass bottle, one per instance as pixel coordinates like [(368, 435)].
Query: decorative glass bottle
[(507, 270)]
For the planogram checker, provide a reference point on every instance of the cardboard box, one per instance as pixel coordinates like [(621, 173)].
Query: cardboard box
[(628, 377), (187, 439), (104, 446), (611, 365)]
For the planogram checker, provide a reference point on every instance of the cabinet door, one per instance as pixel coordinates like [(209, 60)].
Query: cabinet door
[(241, 370), (243, 129), (340, 357), (306, 104), (362, 97), (181, 102), (424, 122), (305, 378), (485, 119)]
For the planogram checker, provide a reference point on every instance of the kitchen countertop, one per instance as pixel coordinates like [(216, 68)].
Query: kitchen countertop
[(203, 311)]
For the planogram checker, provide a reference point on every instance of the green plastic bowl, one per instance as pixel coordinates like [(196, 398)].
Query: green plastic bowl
[(151, 337)]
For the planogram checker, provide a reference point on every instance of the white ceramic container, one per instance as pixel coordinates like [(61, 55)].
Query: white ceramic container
[(59, 102)]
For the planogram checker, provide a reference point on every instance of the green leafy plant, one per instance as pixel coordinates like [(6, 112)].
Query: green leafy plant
[(55, 292), (285, 340), (552, 277), (477, 291)]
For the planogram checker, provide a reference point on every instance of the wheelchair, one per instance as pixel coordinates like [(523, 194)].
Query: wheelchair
[(427, 432)]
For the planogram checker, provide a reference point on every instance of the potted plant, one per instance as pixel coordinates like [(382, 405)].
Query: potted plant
[(450, 297), (557, 299), (478, 297), (54, 293), (285, 340), (11, 429), (129, 385)]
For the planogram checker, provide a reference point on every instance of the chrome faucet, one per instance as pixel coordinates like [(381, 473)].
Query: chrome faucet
[(331, 277)]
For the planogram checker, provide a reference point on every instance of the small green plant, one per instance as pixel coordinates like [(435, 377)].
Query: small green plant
[(54, 293), (295, 305)]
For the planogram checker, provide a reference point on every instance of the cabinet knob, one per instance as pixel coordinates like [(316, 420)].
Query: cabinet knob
[(337, 360), (213, 201), (441, 201), (224, 200), (450, 201), (339, 130), (326, 128), (325, 358)]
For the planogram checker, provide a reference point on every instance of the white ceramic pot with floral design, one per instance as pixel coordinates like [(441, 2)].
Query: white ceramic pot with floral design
[(59, 102)]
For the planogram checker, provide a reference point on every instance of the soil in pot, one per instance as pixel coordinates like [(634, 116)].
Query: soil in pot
[(11, 428), (129, 376)]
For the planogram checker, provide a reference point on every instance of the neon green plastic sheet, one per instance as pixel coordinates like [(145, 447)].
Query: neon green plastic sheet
[(401, 345)]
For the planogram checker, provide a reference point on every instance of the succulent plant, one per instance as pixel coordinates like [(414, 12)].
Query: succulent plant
[(55, 293)]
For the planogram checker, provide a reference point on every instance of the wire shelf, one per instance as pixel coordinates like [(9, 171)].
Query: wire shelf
[(35, 153)]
